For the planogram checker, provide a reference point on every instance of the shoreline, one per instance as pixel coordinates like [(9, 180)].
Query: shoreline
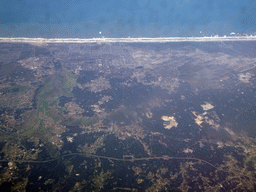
[(127, 40)]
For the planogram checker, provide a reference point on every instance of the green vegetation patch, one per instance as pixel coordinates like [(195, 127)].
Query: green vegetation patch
[(34, 126), (69, 82), (51, 88), (50, 109), (49, 96), (55, 86), (44, 108), (31, 124), (54, 102)]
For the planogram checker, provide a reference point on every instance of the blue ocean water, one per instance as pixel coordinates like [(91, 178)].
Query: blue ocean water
[(126, 18)]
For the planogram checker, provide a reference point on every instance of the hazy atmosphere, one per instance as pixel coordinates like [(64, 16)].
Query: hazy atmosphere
[(128, 95)]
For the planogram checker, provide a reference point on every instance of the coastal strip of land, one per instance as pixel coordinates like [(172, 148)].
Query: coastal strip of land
[(127, 40)]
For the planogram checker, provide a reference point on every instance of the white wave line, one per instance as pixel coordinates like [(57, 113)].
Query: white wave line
[(127, 40)]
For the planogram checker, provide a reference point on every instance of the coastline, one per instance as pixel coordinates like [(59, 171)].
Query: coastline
[(127, 40)]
